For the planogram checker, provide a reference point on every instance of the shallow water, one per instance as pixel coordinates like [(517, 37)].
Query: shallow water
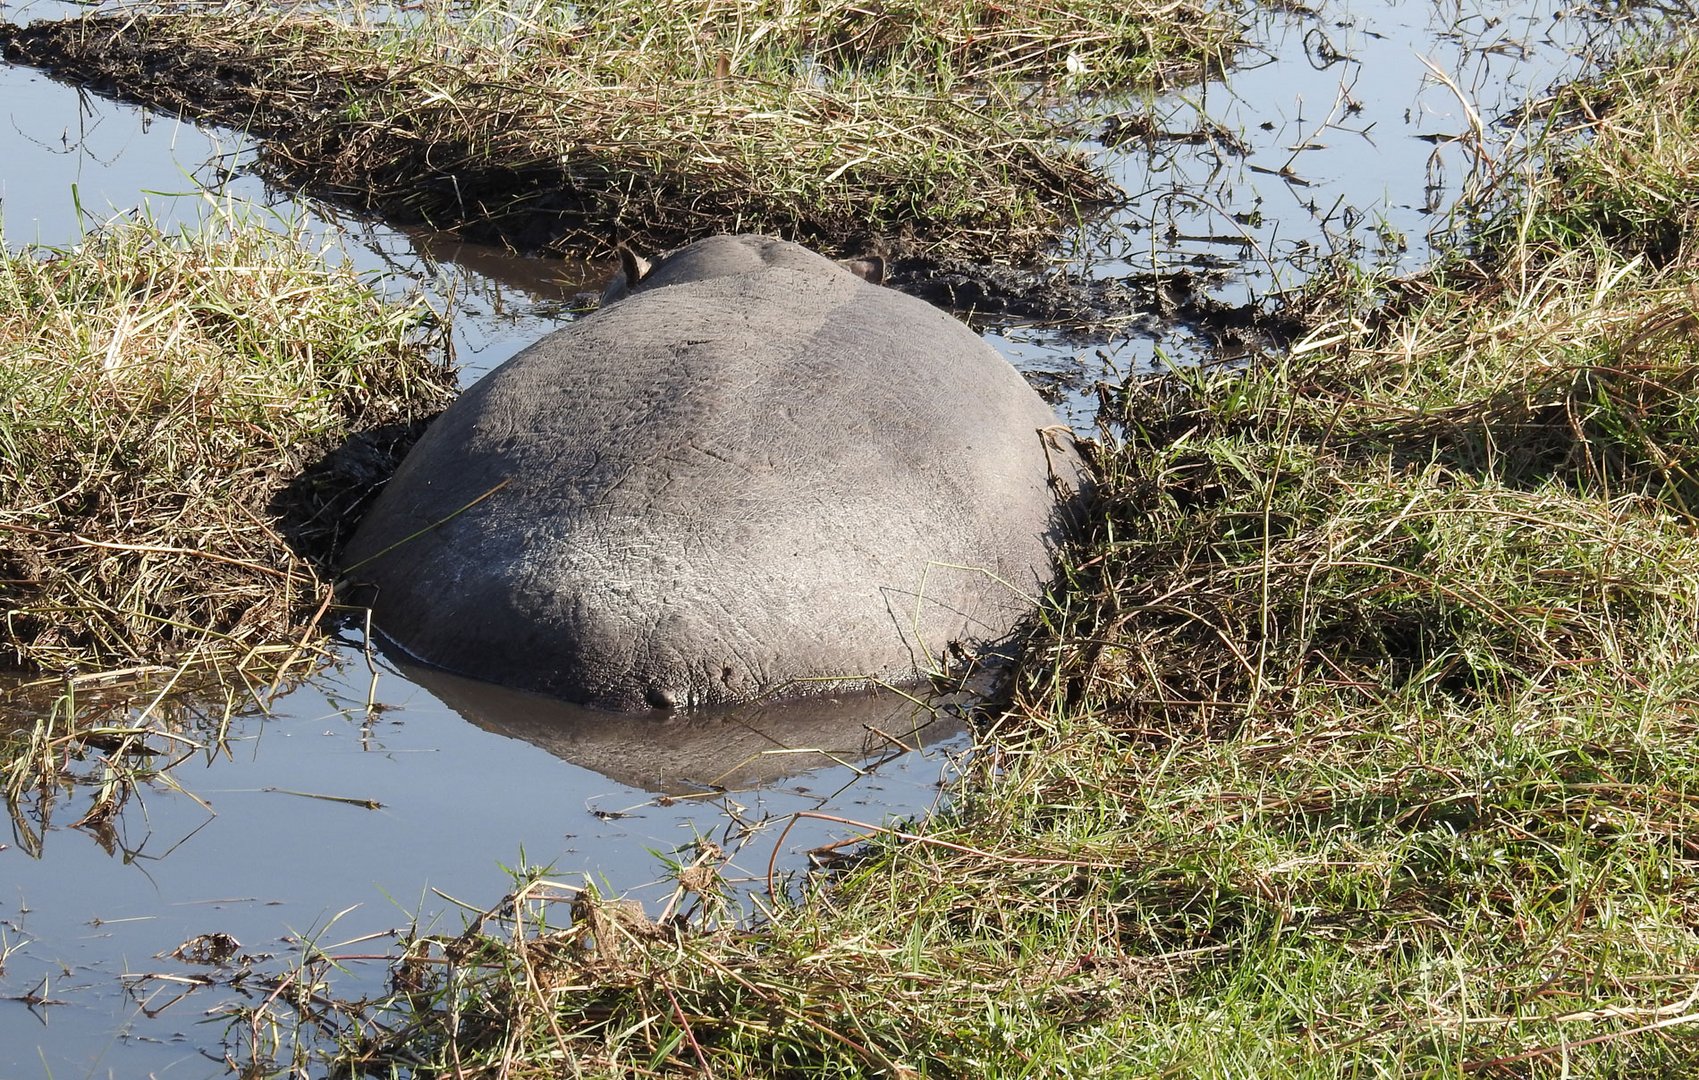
[(331, 821), (1331, 135)]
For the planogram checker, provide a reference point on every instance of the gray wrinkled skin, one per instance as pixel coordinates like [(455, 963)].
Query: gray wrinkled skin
[(753, 475)]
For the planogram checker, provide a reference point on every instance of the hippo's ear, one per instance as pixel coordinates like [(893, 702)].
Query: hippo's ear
[(634, 266), (871, 268)]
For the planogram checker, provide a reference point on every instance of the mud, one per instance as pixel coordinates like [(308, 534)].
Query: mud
[(1088, 309), (318, 509)]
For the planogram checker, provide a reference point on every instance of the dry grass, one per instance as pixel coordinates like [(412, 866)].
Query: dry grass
[(158, 394), (572, 125)]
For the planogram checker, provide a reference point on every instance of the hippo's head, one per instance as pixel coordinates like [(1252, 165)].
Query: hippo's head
[(725, 256)]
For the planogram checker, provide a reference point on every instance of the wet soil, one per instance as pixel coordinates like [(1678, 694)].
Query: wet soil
[(319, 509), (1088, 309)]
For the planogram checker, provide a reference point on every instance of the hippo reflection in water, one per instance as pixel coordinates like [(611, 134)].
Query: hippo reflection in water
[(683, 752), (751, 474)]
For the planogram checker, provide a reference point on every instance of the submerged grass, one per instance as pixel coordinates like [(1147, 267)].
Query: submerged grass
[(164, 401), (842, 125), (1361, 741)]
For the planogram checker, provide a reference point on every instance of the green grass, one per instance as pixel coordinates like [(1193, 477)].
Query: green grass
[(847, 126), (1360, 742), (166, 402), (1560, 338)]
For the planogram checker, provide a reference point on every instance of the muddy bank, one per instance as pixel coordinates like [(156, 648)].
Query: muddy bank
[(167, 392), (502, 145), (1094, 308)]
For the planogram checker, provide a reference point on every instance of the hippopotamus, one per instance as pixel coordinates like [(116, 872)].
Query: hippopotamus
[(750, 474)]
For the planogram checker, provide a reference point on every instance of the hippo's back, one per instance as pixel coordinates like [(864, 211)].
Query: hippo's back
[(765, 479)]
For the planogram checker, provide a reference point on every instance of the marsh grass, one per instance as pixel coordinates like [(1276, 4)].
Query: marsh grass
[(161, 397), (1560, 338), (85, 744), (841, 125), (1360, 740)]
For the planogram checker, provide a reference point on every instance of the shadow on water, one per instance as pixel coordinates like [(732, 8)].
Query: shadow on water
[(570, 286), (363, 800)]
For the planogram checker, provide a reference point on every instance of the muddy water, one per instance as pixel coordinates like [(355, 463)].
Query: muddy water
[(333, 821)]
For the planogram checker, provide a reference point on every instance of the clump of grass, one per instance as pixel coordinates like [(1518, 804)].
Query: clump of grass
[(158, 394), (569, 125), (1081, 45), (1625, 170), (1559, 339), (1351, 747), (1260, 573)]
